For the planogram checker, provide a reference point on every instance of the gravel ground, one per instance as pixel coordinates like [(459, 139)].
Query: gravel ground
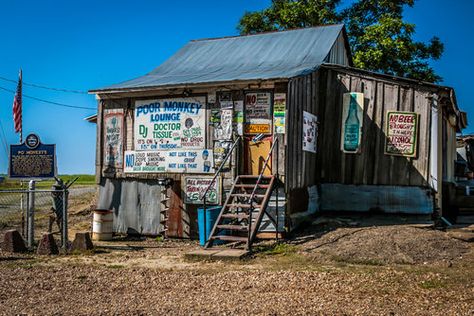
[(150, 278), (331, 270)]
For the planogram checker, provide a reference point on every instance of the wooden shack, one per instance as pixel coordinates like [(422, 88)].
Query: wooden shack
[(291, 99)]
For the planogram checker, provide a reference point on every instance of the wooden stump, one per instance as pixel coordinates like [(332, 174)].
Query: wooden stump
[(13, 242), (47, 245), (82, 242)]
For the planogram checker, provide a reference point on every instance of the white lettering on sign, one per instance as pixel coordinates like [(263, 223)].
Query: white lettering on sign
[(170, 124)]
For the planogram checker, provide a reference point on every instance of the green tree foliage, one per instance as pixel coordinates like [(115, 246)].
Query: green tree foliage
[(379, 38)]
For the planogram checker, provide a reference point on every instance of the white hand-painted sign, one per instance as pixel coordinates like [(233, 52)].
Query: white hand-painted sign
[(195, 187), (170, 124), (401, 134), (113, 137), (174, 161)]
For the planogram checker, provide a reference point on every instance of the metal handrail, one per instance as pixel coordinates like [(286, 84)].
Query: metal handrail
[(203, 197), (252, 195)]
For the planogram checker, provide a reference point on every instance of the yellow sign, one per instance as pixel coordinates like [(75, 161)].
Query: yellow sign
[(257, 129)]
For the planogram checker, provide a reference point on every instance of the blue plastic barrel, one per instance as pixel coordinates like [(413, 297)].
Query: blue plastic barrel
[(206, 223)]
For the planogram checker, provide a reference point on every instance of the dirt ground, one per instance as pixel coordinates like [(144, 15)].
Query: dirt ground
[(333, 267)]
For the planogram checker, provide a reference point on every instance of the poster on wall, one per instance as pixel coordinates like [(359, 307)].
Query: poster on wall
[(239, 117), (279, 112), (352, 120), (194, 188), (174, 161), (223, 130), (113, 138), (170, 124), (258, 117), (401, 133), (310, 132), (221, 149)]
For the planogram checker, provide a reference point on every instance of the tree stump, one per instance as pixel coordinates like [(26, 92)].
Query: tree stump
[(13, 242), (82, 242), (47, 245)]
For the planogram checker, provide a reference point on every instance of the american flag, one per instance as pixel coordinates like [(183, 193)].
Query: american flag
[(17, 104)]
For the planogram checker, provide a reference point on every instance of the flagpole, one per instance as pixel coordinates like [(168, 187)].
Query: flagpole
[(21, 128)]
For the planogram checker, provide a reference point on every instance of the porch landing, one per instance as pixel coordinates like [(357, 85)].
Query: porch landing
[(217, 254)]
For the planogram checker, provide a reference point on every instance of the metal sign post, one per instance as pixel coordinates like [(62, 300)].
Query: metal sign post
[(31, 214)]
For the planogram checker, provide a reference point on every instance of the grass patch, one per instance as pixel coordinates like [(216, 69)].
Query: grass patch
[(366, 262), (84, 179), (432, 284), (275, 249), (115, 266), (159, 239), (78, 252)]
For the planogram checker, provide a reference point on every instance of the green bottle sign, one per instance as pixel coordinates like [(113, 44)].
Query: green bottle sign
[(351, 135)]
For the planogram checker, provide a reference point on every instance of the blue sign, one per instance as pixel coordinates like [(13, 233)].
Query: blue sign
[(32, 159)]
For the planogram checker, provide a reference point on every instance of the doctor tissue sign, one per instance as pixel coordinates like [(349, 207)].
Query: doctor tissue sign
[(170, 124)]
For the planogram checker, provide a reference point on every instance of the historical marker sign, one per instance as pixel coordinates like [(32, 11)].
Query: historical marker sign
[(32, 159)]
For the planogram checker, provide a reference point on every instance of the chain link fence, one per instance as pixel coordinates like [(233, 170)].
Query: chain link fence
[(34, 212)]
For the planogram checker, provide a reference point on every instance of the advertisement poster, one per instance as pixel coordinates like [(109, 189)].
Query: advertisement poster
[(223, 130), (225, 100), (170, 124), (352, 120), (221, 149), (310, 131), (195, 187), (113, 137), (279, 112), (258, 116), (401, 131), (174, 161), (239, 117)]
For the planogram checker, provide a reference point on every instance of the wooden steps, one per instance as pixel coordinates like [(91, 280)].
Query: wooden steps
[(243, 210), (230, 238)]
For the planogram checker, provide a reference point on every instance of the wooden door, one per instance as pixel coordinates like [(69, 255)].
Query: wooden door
[(255, 155)]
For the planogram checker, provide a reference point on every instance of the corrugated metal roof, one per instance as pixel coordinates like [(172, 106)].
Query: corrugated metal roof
[(271, 55)]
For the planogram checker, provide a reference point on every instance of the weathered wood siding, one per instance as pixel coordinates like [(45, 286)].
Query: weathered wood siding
[(300, 165), (321, 93), (371, 166)]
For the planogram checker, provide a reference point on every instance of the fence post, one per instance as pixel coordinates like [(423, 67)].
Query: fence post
[(64, 225), (31, 214)]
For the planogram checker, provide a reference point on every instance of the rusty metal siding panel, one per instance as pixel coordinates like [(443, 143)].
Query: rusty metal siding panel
[(388, 199), (136, 205)]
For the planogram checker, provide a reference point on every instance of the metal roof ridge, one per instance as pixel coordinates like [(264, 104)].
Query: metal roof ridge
[(265, 33)]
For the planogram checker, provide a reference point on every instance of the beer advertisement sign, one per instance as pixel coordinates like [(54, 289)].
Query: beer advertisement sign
[(352, 122), (170, 124), (401, 133)]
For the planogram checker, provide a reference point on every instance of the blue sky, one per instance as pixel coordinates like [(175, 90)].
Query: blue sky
[(87, 44)]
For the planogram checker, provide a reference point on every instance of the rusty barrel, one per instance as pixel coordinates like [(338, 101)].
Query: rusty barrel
[(102, 225)]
